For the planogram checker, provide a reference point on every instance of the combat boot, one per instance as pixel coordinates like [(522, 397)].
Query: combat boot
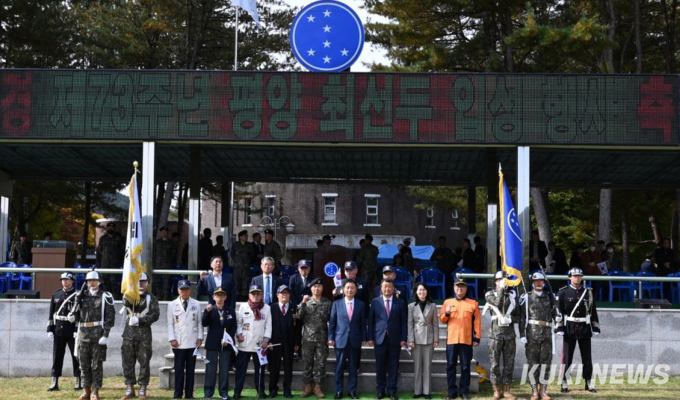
[(318, 392), (497, 395), (506, 393), (55, 384), (543, 390), (142, 392), (95, 394), (86, 393), (308, 391), (534, 392), (78, 385), (129, 392)]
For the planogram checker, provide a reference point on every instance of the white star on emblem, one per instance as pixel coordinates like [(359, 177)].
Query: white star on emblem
[(344, 52), (310, 52), (326, 44), (310, 18), (326, 60), (326, 13), (326, 28)]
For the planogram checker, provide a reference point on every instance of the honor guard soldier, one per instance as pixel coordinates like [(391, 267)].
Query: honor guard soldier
[(62, 331), (314, 312), (137, 339), (538, 309), (576, 304), (501, 300), (95, 316)]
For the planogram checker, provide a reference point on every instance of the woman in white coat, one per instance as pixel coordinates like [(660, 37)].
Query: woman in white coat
[(253, 331), (423, 337)]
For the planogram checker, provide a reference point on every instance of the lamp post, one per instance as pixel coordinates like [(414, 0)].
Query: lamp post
[(269, 222)]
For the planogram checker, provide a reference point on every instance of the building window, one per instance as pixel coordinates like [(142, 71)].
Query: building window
[(247, 211), (454, 220), (372, 209), (329, 210), (271, 206), (429, 218)]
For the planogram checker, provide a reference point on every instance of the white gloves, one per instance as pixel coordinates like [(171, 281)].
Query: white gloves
[(596, 333), (560, 333), (71, 318), (134, 321), (50, 335), (558, 319), (501, 284), (103, 341), (75, 335), (523, 340)]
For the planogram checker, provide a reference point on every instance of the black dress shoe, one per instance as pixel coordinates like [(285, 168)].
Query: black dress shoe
[(428, 397), (393, 396), (262, 395), (353, 395), (287, 395), (591, 390), (379, 396), (237, 396), (338, 395), (564, 389), (452, 396), (273, 393), (417, 396)]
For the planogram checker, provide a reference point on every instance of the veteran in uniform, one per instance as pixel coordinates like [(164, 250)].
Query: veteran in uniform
[(504, 312), (137, 339), (576, 304), (95, 315), (61, 331), (314, 312), (537, 311)]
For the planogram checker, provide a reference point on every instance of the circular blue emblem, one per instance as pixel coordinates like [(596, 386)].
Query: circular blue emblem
[(331, 269), (327, 36)]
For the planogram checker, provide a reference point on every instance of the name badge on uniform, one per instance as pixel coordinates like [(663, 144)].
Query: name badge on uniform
[(177, 319), (360, 287), (229, 316)]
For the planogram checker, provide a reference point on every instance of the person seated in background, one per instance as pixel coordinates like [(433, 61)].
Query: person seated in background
[(648, 265)]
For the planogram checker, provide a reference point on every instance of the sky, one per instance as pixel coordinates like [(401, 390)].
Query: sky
[(370, 53)]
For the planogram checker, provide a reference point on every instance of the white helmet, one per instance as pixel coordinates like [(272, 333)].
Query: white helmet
[(537, 276), (92, 275), (144, 277)]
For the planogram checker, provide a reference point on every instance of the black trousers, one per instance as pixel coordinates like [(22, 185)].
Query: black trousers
[(58, 351), (185, 360), (274, 356), (568, 347)]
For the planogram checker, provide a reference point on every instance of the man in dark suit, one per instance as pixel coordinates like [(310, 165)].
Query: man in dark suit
[(267, 281), (299, 283), (399, 290), (538, 251), (258, 251), (387, 319), (347, 332), (283, 341), (218, 317), (210, 281)]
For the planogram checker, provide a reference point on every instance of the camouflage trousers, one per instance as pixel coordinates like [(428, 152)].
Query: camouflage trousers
[(242, 281), (314, 356), (505, 348), (133, 351), (539, 354), (91, 356)]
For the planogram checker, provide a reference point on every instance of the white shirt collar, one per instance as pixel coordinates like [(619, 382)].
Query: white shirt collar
[(387, 298)]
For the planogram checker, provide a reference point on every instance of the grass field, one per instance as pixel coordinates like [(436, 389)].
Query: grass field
[(114, 388)]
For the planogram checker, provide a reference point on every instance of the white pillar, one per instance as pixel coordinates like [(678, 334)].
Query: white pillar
[(523, 193), (194, 206), (492, 211), (147, 200), (4, 227)]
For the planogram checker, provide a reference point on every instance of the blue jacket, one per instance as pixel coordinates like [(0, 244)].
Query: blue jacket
[(395, 328), (216, 328), (207, 287), (342, 330)]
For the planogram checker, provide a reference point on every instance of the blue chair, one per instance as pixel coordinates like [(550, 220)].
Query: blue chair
[(5, 277), (650, 287), (471, 283), (19, 279), (600, 289), (435, 280), (625, 288), (287, 271), (675, 288), (404, 278)]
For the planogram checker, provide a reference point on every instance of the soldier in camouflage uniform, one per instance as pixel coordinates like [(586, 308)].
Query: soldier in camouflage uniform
[(537, 311), (164, 256), (504, 312), (110, 252), (367, 259), (271, 247), (241, 254), (137, 339), (94, 323), (314, 312)]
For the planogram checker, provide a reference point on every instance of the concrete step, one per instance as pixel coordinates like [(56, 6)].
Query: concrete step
[(366, 381)]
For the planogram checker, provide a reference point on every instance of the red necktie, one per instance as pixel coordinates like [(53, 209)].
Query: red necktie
[(283, 309)]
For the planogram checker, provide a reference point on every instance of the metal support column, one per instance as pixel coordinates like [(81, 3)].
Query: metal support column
[(226, 215), (194, 206), (4, 227), (492, 211), (523, 211), (148, 202)]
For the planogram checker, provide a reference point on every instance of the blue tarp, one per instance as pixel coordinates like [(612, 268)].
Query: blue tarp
[(386, 253)]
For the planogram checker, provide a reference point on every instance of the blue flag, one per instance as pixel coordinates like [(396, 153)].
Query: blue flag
[(511, 236)]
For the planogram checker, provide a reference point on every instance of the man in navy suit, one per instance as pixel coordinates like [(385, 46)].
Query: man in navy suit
[(283, 341), (387, 318), (217, 278), (347, 332), (399, 290), (363, 293), (299, 283), (267, 281)]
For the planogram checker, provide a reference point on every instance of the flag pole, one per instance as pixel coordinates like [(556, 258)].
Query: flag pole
[(236, 40)]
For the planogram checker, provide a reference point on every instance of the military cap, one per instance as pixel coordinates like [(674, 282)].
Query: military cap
[(144, 277), (243, 233), (111, 224), (387, 268), (304, 264), (268, 231), (184, 284), (500, 275), (350, 265), (576, 271), (537, 276), (219, 291), (460, 281), (254, 288), (407, 240), (282, 288), (67, 275)]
